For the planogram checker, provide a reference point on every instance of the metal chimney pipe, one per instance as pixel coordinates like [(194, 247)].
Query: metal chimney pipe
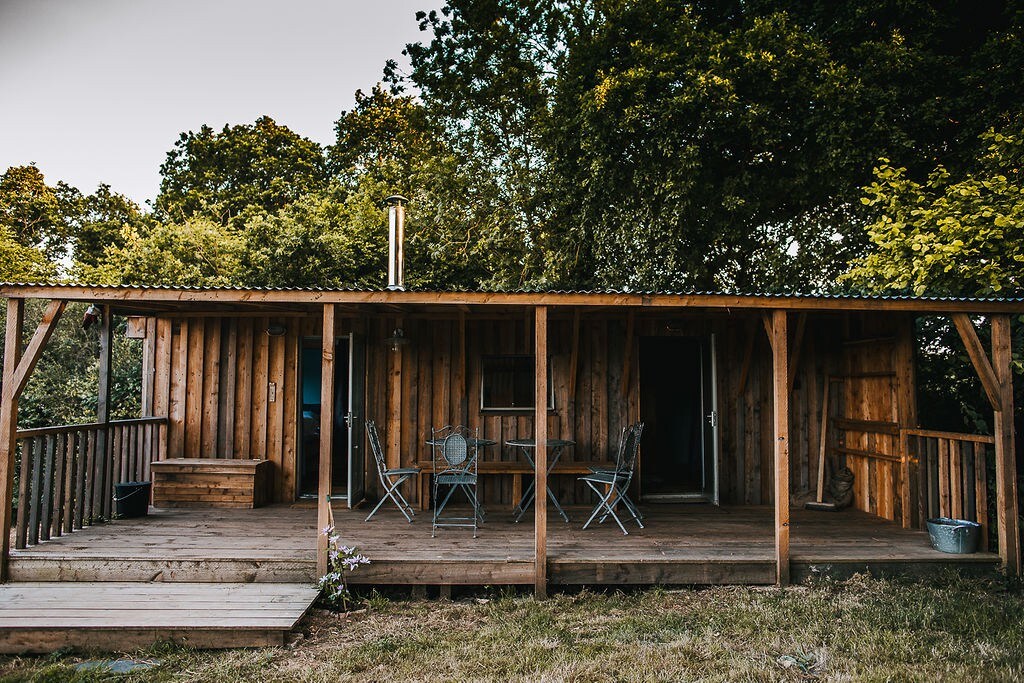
[(396, 242)]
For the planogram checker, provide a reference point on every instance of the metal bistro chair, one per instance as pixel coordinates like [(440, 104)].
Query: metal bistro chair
[(612, 486), (391, 479), (455, 467)]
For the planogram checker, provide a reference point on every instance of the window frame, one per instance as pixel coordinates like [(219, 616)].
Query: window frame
[(514, 409)]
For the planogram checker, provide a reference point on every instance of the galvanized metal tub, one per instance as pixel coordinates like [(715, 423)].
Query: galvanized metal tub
[(959, 536)]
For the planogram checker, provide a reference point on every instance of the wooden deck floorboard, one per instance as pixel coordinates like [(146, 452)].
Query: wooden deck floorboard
[(680, 544)]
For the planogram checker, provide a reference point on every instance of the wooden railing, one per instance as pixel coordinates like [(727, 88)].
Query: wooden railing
[(952, 475), (68, 473)]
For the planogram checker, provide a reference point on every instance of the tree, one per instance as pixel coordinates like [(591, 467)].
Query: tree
[(663, 144), (104, 216), (485, 80), (37, 215), (388, 144), (196, 253), (955, 235), (19, 263), (218, 175), (385, 137), (330, 239)]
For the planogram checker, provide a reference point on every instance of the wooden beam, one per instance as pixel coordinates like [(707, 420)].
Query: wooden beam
[(574, 359), (323, 505), (627, 363), (798, 342), (144, 299), (527, 337), (766, 321), (1005, 449), (9, 425), (748, 356), (823, 439), (34, 350), (540, 430), (976, 351), (780, 384)]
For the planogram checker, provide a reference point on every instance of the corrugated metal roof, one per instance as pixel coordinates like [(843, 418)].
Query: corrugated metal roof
[(534, 290)]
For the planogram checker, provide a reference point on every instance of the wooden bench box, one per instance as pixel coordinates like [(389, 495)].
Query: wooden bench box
[(516, 468), (211, 482)]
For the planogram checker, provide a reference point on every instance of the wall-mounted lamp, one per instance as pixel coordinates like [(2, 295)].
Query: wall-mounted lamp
[(397, 340), (276, 330)]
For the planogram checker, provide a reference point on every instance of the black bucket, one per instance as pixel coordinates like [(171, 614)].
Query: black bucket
[(131, 499)]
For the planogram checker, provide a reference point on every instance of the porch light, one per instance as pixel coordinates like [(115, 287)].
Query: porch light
[(397, 340), (276, 330)]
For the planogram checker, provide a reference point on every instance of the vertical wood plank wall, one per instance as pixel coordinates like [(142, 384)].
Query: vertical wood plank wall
[(875, 372), (211, 378)]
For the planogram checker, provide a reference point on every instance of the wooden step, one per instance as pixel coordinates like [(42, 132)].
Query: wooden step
[(42, 617)]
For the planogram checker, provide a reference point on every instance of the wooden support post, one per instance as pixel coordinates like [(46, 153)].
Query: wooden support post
[(1006, 465), (906, 406), (104, 473), (540, 430), (780, 362), (9, 425), (323, 498)]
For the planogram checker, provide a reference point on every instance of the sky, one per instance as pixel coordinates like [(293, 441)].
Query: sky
[(98, 91)]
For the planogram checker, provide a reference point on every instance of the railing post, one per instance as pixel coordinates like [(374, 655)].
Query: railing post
[(9, 424)]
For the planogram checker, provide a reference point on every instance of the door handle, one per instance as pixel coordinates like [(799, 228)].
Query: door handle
[(713, 418)]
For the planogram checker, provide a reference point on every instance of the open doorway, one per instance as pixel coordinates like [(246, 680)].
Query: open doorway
[(310, 383), (677, 405)]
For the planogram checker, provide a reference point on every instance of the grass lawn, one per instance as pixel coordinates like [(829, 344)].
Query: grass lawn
[(863, 629)]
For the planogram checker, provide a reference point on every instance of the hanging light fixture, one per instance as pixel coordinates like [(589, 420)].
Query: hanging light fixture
[(397, 340)]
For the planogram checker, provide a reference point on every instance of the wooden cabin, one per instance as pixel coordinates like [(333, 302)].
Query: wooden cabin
[(743, 397)]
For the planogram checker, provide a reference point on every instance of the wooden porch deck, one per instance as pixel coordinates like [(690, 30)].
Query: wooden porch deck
[(682, 544)]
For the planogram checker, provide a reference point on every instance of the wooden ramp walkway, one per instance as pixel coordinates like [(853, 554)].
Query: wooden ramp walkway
[(43, 617)]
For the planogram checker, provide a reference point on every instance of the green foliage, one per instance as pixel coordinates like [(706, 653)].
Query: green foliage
[(659, 144), (951, 234), (218, 175), (386, 137), (63, 388), (685, 143), (198, 252), (325, 240), (19, 263), (104, 216), (36, 215)]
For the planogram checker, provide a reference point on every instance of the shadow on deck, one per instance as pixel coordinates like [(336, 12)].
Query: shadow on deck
[(681, 544)]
